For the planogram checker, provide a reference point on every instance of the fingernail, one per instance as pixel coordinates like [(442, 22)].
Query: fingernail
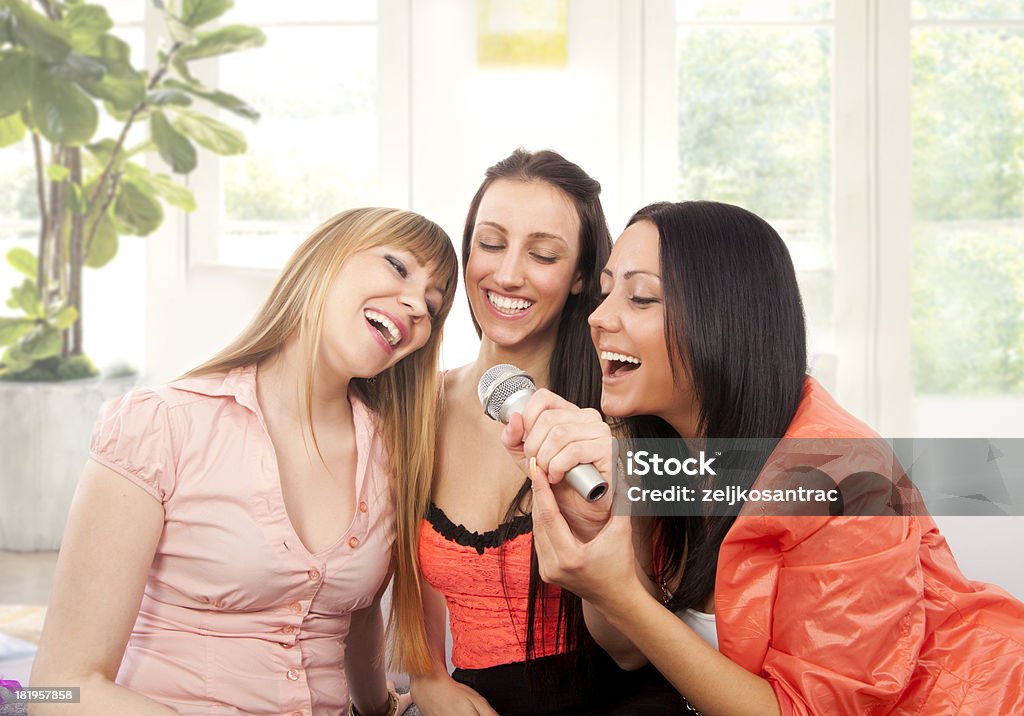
[(533, 467)]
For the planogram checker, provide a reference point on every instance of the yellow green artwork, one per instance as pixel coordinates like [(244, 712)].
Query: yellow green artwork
[(522, 33)]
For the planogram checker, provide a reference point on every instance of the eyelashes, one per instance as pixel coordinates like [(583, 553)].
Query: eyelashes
[(397, 266)]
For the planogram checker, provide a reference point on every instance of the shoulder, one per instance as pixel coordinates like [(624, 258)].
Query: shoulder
[(819, 416)]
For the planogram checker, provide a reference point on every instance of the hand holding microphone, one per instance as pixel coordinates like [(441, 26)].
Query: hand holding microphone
[(504, 390)]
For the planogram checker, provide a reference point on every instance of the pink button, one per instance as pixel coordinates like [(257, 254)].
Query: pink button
[(295, 608), (362, 506), (286, 645), (353, 542), (296, 713), (314, 575), (290, 630), (293, 674)]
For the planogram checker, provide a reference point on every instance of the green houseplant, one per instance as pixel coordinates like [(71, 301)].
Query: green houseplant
[(61, 69), (69, 88)]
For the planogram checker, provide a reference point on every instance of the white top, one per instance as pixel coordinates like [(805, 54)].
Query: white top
[(702, 623)]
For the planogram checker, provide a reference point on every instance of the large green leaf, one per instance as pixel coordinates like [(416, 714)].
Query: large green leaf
[(219, 42), (198, 12), (162, 97), (42, 342), (48, 41), (208, 132), (63, 113), (137, 210), (104, 244), (16, 70), (11, 329), (64, 318), (163, 186), (106, 48), (24, 297), (122, 92), (174, 147), (85, 22), (78, 68), (12, 129), (23, 261), (14, 360), (223, 100)]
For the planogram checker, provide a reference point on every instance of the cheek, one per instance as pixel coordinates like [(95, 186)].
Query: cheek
[(478, 266)]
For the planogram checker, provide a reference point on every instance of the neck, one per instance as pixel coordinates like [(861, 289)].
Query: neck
[(533, 359), (281, 382)]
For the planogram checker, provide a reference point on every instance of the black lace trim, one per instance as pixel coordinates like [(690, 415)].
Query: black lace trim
[(505, 532)]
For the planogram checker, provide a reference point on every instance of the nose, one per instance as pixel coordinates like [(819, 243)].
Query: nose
[(415, 302), (604, 317), (510, 271)]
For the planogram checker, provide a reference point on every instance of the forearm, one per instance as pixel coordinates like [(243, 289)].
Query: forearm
[(364, 661), (713, 683), (622, 650), (97, 695)]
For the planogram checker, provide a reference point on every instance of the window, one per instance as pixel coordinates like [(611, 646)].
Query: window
[(314, 150), (968, 209), (755, 126)]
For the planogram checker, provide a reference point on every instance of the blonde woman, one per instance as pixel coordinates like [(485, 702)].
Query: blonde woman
[(232, 533)]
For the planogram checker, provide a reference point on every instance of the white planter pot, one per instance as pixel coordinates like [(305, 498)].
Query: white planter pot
[(44, 444)]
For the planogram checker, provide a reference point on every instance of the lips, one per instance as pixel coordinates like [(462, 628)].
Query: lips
[(389, 328)]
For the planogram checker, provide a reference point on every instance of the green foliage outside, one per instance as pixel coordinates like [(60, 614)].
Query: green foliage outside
[(61, 69), (755, 129)]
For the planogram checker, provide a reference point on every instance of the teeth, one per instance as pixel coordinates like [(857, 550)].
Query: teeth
[(508, 305), (622, 358), (394, 335)]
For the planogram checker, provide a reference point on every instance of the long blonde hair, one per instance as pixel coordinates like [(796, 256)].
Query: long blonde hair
[(404, 398)]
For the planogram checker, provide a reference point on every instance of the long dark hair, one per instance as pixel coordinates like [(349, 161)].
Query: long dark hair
[(734, 321), (574, 371)]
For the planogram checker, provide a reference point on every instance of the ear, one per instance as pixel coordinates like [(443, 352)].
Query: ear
[(577, 284)]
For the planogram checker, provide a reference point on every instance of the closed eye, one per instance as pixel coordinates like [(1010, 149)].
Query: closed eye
[(397, 265), (489, 246), (643, 300)]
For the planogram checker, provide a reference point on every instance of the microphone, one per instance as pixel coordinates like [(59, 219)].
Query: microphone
[(503, 390)]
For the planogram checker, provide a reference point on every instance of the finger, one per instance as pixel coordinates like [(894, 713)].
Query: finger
[(554, 540), (543, 400), (557, 428), (594, 451), (512, 435)]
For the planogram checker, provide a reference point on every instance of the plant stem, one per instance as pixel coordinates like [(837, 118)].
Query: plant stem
[(44, 220), (74, 164), (87, 244), (119, 144)]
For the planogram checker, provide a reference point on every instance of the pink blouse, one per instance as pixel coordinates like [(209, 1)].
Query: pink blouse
[(237, 615)]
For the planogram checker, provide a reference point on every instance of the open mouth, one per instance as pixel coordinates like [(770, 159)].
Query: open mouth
[(385, 326), (619, 363), (508, 305)]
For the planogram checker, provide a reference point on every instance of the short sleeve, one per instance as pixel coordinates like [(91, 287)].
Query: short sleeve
[(133, 437)]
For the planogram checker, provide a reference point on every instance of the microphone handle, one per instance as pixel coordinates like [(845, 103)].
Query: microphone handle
[(584, 478)]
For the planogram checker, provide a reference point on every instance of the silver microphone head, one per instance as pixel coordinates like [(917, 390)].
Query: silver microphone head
[(498, 384)]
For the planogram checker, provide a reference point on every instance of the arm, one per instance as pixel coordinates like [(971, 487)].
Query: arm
[(108, 547), (623, 651), (604, 573), (437, 692), (364, 659)]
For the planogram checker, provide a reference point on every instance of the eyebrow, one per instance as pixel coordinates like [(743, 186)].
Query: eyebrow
[(630, 274), (533, 235)]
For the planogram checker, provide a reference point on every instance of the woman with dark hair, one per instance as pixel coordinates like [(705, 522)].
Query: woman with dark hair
[(701, 336), (534, 239)]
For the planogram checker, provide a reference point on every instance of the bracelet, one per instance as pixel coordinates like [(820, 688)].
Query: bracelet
[(392, 705)]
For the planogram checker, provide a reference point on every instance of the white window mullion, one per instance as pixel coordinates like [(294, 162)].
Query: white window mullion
[(891, 375)]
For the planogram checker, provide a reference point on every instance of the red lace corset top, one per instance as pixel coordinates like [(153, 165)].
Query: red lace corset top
[(488, 620)]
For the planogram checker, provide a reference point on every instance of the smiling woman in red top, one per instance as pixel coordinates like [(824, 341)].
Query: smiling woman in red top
[(701, 333)]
